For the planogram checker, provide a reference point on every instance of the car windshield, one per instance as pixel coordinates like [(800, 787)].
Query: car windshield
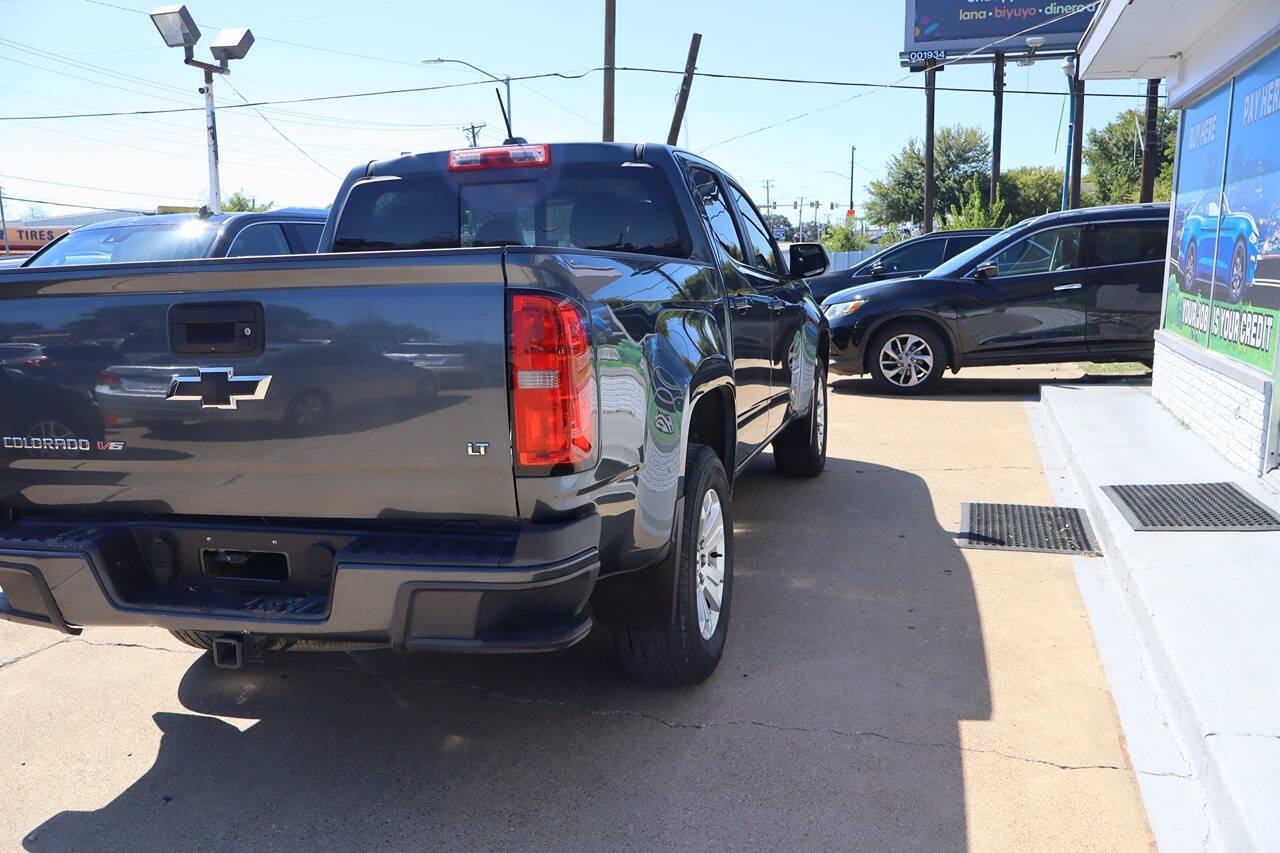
[(167, 241), (968, 256)]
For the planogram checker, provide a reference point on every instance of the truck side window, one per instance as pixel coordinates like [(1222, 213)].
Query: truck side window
[(265, 238), (708, 190), (762, 254)]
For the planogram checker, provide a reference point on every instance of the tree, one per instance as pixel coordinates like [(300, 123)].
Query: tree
[(841, 238), (974, 212), (33, 211), (240, 203), (1030, 191), (1114, 156), (960, 154)]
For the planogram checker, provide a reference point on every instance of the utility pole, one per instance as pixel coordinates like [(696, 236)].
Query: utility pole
[(1077, 138), (930, 96), (610, 28), (1150, 156), (997, 87), (4, 226), (768, 185), (473, 130), (853, 156), (686, 83)]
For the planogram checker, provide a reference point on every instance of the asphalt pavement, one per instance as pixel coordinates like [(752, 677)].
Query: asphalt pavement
[(882, 690)]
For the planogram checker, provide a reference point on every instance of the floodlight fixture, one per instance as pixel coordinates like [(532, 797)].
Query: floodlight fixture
[(176, 26), (231, 44)]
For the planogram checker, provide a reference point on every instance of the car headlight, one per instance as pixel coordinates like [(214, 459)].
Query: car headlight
[(842, 309)]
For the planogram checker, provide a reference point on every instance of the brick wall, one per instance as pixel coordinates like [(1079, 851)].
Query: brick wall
[(1231, 414)]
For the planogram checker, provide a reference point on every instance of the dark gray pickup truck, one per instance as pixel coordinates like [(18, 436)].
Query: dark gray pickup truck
[(507, 398)]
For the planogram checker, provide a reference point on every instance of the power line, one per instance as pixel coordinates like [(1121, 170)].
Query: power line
[(82, 206), (308, 100), (81, 187), (281, 132)]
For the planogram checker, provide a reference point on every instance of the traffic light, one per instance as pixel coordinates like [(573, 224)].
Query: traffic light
[(795, 205), (833, 205)]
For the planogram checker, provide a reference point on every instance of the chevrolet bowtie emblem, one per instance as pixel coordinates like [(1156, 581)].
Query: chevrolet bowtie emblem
[(218, 388)]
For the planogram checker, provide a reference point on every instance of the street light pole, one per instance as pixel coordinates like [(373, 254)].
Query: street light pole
[(211, 130), (504, 80)]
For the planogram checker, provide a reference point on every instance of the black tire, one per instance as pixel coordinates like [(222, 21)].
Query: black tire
[(1238, 273), (1188, 284), (307, 412), (680, 655), (195, 639), (800, 450), (918, 341)]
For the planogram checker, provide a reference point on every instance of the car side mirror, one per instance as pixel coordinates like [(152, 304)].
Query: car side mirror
[(986, 270), (808, 259), (876, 269)]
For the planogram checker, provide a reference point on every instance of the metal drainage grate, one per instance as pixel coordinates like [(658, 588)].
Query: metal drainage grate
[(1191, 506), (1019, 527)]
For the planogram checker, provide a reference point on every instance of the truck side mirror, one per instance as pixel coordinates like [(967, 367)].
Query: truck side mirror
[(808, 259)]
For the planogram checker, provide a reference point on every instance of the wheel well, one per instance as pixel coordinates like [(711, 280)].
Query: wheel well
[(711, 423), (906, 321)]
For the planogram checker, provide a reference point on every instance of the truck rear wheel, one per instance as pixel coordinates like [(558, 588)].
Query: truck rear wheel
[(688, 651), (800, 450)]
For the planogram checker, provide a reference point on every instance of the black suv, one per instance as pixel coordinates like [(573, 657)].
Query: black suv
[(1068, 286), (910, 257)]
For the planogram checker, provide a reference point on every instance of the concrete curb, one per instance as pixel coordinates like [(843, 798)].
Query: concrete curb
[(1227, 819)]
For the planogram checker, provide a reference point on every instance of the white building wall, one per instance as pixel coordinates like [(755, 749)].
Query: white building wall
[(1216, 399)]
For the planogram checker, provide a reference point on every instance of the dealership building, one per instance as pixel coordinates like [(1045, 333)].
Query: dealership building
[(1216, 356)]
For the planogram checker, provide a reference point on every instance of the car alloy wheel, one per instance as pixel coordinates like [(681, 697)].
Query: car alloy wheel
[(710, 564), (1237, 272), (906, 360)]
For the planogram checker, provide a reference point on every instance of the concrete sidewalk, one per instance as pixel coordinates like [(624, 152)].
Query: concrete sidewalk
[(1202, 605)]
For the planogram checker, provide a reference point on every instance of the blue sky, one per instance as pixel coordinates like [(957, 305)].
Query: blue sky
[(161, 159)]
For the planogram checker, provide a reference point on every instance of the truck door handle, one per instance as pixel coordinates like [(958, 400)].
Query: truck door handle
[(776, 305), (224, 328), (739, 303), (1075, 286)]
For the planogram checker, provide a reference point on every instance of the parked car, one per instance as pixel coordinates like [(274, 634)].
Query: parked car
[(1068, 286), (915, 256), (1210, 233), (619, 334), (178, 236)]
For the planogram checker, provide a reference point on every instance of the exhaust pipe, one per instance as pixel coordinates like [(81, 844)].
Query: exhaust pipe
[(228, 652)]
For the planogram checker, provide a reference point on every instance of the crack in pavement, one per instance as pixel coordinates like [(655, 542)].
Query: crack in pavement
[(131, 646), (35, 652), (665, 723)]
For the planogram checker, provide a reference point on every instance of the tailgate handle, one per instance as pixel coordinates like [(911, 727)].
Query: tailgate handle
[(229, 328)]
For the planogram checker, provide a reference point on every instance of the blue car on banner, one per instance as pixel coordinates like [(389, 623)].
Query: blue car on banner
[(1236, 236)]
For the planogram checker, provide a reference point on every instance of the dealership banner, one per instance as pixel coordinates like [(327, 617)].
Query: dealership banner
[(23, 240), (1224, 260)]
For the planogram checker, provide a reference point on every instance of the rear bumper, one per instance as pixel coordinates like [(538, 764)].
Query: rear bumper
[(503, 592)]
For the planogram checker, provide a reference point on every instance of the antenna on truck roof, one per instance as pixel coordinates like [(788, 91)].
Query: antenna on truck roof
[(511, 139)]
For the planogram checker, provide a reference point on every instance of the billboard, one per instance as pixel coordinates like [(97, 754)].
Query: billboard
[(1223, 278), (946, 29)]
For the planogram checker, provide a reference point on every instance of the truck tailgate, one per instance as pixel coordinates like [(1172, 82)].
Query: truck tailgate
[(333, 386)]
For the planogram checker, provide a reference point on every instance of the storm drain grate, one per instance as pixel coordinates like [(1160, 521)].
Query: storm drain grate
[(1020, 527), (1191, 506)]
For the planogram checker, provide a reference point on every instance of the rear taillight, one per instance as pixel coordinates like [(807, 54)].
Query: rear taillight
[(553, 383), (111, 380), (508, 156), (34, 362)]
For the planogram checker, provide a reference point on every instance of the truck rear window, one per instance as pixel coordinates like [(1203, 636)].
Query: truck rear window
[(613, 208)]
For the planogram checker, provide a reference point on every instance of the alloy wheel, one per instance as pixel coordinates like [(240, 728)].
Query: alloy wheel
[(1237, 273), (906, 360), (710, 564)]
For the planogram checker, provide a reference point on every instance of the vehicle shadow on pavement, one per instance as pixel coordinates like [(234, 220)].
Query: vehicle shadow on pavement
[(832, 723), (988, 388)]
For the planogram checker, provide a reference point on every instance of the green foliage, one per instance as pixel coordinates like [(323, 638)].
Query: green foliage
[(841, 238), (892, 234), (1114, 156), (974, 212), (1030, 191), (960, 154), (241, 203)]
